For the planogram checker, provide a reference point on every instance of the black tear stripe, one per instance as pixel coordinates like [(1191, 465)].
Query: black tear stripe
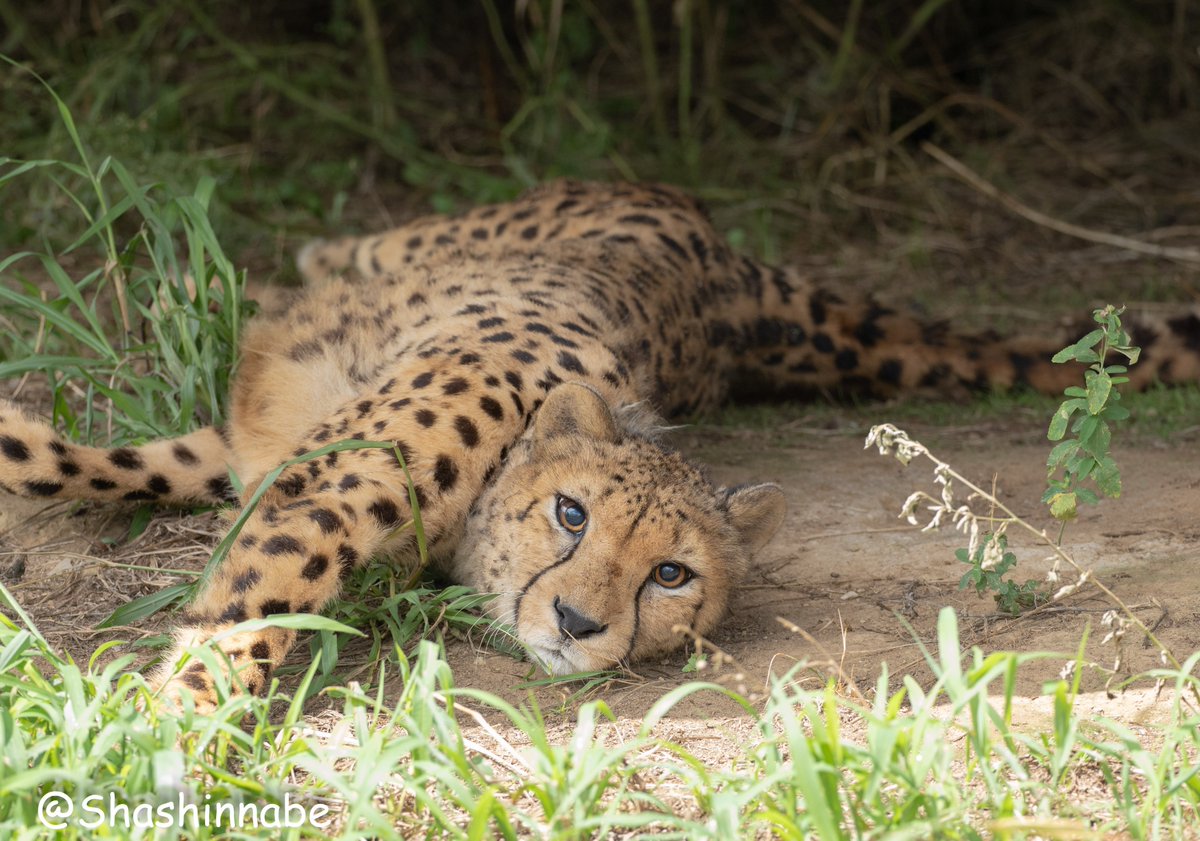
[(534, 580), (637, 621)]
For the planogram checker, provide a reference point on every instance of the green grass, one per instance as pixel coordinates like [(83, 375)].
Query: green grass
[(942, 761), (150, 322)]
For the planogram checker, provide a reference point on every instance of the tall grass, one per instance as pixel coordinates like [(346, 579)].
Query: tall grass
[(137, 317)]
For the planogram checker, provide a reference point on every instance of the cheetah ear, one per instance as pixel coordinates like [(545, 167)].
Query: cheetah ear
[(574, 409), (756, 511)]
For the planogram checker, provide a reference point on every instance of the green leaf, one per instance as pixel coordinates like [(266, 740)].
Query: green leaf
[(1130, 353), (148, 605), (1091, 339), (1080, 468), (1075, 391), (141, 519), (1087, 496), (1098, 390), (1098, 442), (1060, 453), (1108, 477), (1062, 506), (1087, 428), (1058, 423)]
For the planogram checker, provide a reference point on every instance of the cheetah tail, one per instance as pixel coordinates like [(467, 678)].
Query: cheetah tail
[(35, 461)]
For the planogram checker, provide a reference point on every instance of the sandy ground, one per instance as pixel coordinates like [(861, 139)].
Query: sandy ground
[(844, 587)]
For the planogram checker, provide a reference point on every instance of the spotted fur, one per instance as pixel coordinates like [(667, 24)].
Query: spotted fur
[(500, 352)]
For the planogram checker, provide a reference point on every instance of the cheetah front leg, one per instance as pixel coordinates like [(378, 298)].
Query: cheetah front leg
[(323, 518)]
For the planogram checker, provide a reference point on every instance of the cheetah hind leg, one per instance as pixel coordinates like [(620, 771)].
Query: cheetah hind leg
[(35, 461)]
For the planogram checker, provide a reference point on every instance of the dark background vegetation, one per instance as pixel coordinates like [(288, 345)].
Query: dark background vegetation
[(801, 122)]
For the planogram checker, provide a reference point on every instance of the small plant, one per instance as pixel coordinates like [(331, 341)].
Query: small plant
[(1088, 413), (1094, 407), (1011, 597)]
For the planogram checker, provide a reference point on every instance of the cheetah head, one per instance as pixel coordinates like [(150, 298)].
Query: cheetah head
[(600, 542)]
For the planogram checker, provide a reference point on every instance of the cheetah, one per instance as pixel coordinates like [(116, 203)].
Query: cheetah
[(517, 357)]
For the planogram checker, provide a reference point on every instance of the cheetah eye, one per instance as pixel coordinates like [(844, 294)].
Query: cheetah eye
[(671, 576), (571, 515)]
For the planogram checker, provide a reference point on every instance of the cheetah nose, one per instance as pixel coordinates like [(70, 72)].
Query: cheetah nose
[(573, 624)]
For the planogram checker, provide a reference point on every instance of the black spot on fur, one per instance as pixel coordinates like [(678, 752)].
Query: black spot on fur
[(426, 418), (524, 357), (491, 407), (816, 308), (281, 544), (768, 332), (349, 482), (846, 360), (68, 468), (326, 519), (272, 606), (385, 513), (14, 449), (570, 362), (456, 386), (235, 612), (158, 484), (347, 557), (499, 338), (315, 568), (102, 484), (260, 651), (719, 333), (246, 580), (445, 473), (220, 487), (125, 458), (822, 343), (869, 332), (43, 488), (640, 219), (422, 380), (674, 246), (292, 485), (890, 371), (183, 455), (1021, 365), (530, 232), (467, 431), (140, 496), (488, 323)]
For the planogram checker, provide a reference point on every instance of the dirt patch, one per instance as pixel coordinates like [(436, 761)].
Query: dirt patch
[(864, 587)]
